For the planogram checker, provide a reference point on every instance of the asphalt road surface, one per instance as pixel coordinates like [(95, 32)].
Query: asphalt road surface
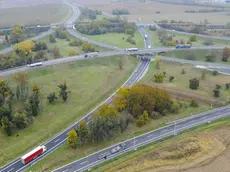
[(138, 141)]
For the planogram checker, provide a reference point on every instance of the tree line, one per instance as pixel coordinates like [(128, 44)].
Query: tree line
[(12, 117), (138, 104), (113, 25), (120, 12), (89, 13)]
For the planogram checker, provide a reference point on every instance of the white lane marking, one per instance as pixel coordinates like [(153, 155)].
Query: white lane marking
[(164, 130), (83, 162), (149, 136), (65, 170), (57, 140), (10, 169)]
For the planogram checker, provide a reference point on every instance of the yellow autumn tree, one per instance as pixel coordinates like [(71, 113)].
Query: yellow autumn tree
[(24, 48), (72, 138)]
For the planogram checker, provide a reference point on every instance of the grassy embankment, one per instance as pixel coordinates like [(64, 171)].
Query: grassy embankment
[(90, 82)]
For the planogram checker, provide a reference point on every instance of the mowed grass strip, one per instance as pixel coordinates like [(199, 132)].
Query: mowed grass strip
[(37, 14), (90, 82), (118, 39)]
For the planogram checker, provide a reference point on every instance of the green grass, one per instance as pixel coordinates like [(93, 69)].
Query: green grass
[(198, 54), (32, 15), (181, 82), (64, 47), (115, 39), (161, 143), (90, 82), (176, 36)]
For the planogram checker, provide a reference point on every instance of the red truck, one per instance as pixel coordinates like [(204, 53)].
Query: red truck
[(33, 154)]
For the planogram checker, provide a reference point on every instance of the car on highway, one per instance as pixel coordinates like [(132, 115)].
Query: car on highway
[(103, 156), (118, 148)]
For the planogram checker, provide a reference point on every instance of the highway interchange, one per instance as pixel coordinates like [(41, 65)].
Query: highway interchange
[(92, 160)]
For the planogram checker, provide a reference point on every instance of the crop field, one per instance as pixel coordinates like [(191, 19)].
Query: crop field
[(146, 12), (32, 15), (176, 36), (118, 39), (209, 145), (90, 82), (180, 85)]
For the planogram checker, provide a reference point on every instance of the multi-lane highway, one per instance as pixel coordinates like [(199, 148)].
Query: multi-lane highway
[(138, 141)]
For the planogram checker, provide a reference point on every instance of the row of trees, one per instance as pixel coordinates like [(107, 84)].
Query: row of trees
[(104, 26), (120, 12), (140, 103), (89, 13)]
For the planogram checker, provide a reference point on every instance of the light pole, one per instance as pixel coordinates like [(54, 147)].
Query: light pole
[(134, 142), (87, 160)]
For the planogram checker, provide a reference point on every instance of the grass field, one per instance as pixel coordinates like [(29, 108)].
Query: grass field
[(176, 36), (64, 47), (90, 82), (32, 15), (198, 54), (181, 82), (115, 39), (66, 155), (211, 141), (146, 12)]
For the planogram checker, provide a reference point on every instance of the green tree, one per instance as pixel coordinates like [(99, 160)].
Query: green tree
[(218, 86), (7, 126), (72, 139), (63, 93), (87, 47), (20, 120), (17, 35), (193, 103), (52, 39), (216, 92), (83, 133), (56, 52), (227, 86), (211, 57), (21, 79), (183, 71), (215, 73), (52, 97), (140, 121), (194, 83), (171, 78), (193, 38), (159, 77)]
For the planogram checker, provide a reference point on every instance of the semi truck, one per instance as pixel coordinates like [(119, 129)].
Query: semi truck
[(131, 49), (33, 154), (34, 64), (178, 46), (91, 55)]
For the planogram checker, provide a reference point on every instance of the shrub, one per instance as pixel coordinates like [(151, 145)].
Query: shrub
[(158, 77), (76, 43), (154, 115), (215, 73), (194, 83), (193, 103)]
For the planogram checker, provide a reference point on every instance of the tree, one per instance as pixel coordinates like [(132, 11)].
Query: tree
[(183, 71), (72, 139), (83, 132), (21, 79), (193, 103), (52, 97), (154, 115), (216, 92), (20, 120), (76, 43), (226, 54), (227, 86), (194, 83), (208, 42), (121, 63), (73, 53), (56, 53), (17, 35), (1, 100), (215, 73), (143, 119), (218, 86), (159, 77), (52, 39), (63, 93), (171, 78), (7, 126), (87, 47), (193, 38)]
